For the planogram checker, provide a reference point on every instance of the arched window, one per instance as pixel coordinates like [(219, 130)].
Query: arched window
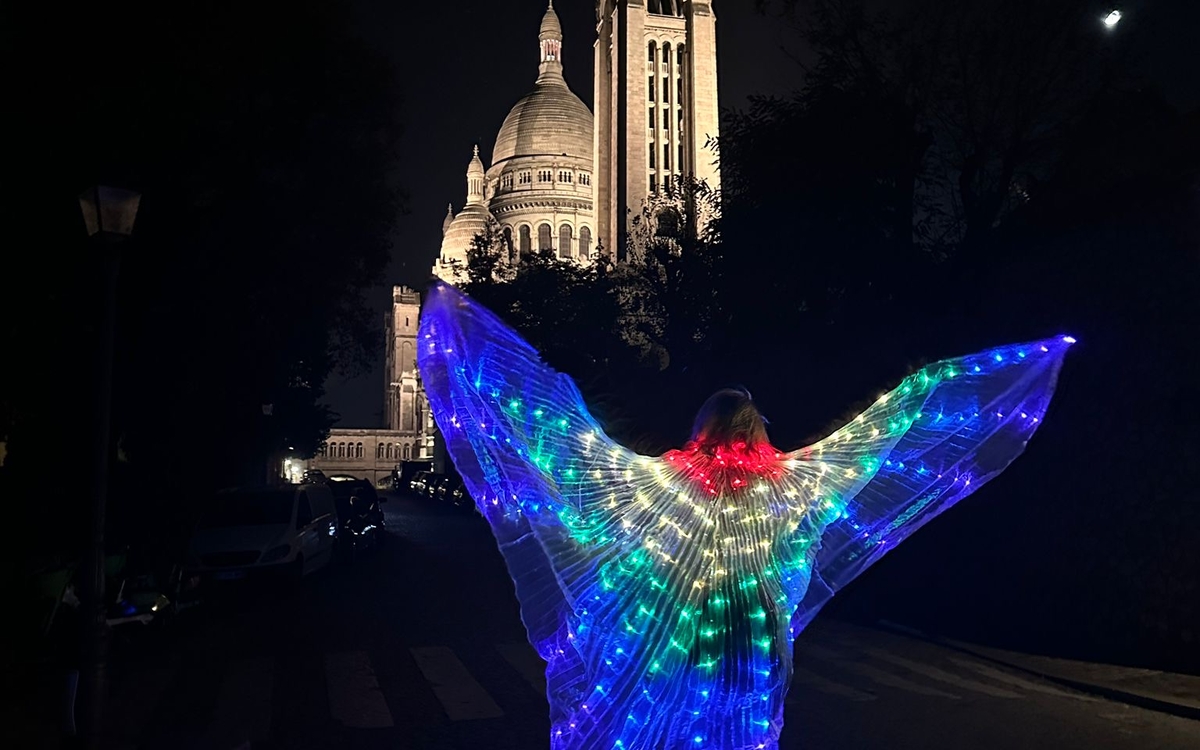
[(341, 450), (564, 241), (507, 249), (379, 450), (358, 450), (526, 242), (666, 60), (679, 55), (321, 450), (652, 53), (545, 237), (406, 452), (585, 242), (387, 451)]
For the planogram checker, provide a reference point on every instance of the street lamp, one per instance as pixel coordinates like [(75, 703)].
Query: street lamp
[(109, 211), (108, 214), (1112, 19)]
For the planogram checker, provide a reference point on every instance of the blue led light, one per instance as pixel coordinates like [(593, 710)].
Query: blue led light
[(675, 639)]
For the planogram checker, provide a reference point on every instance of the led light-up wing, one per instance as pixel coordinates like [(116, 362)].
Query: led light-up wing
[(939, 436), (530, 454)]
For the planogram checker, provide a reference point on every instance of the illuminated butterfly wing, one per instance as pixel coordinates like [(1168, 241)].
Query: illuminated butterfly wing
[(940, 435), (538, 466)]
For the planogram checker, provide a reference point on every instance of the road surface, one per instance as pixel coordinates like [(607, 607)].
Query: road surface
[(420, 646)]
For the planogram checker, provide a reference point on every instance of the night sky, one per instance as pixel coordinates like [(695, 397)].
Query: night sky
[(463, 65)]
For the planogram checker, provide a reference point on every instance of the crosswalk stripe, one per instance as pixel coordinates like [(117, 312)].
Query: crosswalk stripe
[(243, 709), (816, 681), (461, 696), (526, 661), (875, 674), (1000, 675), (354, 696), (941, 675)]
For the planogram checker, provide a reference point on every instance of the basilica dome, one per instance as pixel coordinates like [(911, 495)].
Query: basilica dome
[(474, 219), (550, 120)]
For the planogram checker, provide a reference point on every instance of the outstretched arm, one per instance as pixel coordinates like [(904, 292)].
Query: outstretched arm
[(518, 432), (937, 437), (535, 462)]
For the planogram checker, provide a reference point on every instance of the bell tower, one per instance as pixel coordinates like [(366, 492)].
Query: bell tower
[(656, 105)]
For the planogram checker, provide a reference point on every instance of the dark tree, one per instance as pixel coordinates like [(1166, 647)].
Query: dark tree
[(993, 85), (264, 146), (670, 288)]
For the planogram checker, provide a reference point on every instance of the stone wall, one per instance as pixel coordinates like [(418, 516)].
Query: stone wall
[(367, 454)]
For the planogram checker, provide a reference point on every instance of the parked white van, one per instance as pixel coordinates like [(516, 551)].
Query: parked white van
[(290, 529)]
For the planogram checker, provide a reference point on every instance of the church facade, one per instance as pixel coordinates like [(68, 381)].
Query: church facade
[(560, 179), (567, 181), (409, 430)]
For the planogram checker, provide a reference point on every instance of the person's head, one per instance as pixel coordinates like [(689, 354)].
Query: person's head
[(727, 418)]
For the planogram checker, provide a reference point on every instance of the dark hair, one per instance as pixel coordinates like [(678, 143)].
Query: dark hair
[(729, 416)]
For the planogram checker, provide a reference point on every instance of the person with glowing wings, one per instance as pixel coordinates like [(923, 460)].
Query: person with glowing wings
[(665, 593)]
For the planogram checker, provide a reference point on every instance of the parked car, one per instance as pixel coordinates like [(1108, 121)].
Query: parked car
[(359, 513), (417, 486), (254, 531), (407, 471), (458, 494), (435, 482), (313, 476)]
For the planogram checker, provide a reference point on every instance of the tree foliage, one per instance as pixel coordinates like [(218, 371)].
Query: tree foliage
[(979, 93), (264, 147)]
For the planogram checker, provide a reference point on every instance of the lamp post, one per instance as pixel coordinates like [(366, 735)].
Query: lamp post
[(272, 468), (108, 214)]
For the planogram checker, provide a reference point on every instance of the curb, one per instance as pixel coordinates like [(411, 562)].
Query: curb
[(1113, 694)]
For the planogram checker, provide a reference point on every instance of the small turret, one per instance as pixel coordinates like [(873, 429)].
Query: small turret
[(550, 40), (475, 178)]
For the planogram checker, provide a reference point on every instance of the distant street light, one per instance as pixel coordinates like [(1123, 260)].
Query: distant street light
[(1112, 19), (108, 214)]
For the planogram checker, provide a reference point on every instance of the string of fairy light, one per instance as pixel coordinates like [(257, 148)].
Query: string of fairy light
[(678, 580)]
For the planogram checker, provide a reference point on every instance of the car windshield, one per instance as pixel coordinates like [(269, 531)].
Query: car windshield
[(248, 509)]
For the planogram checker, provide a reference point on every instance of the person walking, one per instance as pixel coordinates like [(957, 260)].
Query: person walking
[(665, 593)]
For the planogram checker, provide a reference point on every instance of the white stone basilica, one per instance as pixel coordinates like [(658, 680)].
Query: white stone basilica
[(562, 180), (559, 176), (538, 190)]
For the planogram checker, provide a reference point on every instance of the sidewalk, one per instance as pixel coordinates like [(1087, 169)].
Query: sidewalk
[(1177, 694)]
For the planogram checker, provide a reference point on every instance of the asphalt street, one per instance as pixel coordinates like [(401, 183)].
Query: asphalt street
[(419, 645)]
